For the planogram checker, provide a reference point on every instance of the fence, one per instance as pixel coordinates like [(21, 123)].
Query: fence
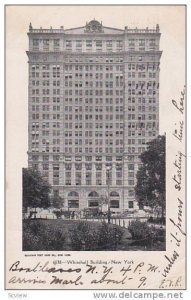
[(117, 221), (124, 222)]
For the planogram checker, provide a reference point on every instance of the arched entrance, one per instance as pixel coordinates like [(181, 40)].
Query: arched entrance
[(73, 200), (114, 200), (93, 200)]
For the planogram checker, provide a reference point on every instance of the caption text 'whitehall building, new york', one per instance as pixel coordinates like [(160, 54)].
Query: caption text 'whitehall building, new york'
[(93, 106)]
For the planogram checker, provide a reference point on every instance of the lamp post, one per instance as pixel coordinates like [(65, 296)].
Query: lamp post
[(108, 186), (68, 210)]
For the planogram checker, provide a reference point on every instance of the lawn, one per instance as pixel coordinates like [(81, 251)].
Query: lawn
[(67, 235)]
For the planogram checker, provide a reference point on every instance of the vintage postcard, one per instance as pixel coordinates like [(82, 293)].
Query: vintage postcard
[(95, 147)]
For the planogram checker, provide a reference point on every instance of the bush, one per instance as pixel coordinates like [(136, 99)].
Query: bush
[(41, 236), (109, 235), (58, 213), (157, 220), (150, 220), (31, 242), (83, 236), (159, 234), (140, 231), (145, 235)]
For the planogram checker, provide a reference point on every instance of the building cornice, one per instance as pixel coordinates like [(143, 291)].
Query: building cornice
[(121, 53)]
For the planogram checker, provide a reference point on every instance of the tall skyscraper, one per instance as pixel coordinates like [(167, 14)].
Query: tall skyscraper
[(93, 106)]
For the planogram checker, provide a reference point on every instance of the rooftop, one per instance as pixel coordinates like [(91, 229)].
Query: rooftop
[(93, 27)]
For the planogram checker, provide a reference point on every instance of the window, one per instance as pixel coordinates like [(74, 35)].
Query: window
[(56, 158), (35, 157), (78, 45), (93, 203), (78, 178), (45, 158), (88, 158), (131, 175), (98, 45), (131, 42), (98, 166), (88, 43), (131, 204), (152, 44), (68, 45), (56, 44), (119, 45), (35, 44), (68, 181), (114, 203), (109, 45), (88, 166), (131, 167), (130, 182), (88, 178), (131, 193), (56, 167), (46, 44), (98, 158), (73, 194), (73, 203)]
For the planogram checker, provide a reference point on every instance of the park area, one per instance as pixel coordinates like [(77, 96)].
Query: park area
[(81, 235)]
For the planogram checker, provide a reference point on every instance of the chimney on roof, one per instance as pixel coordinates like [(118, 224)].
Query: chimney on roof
[(30, 27)]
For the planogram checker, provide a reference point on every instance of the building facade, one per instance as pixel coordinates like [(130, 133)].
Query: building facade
[(93, 106)]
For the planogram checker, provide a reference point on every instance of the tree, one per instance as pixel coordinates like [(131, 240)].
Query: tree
[(35, 189), (151, 182), (57, 201), (103, 199)]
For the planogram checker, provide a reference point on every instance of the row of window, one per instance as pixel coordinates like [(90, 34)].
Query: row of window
[(94, 92), (86, 84), (101, 101), (78, 150), (98, 43), (70, 92), (89, 45), (97, 118), (77, 43), (133, 150), (79, 158), (107, 83), (104, 72), (80, 166), (142, 133), (49, 68), (79, 142), (143, 66), (102, 109), (95, 204), (87, 166), (56, 125), (47, 99), (77, 127), (35, 135), (141, 100)]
